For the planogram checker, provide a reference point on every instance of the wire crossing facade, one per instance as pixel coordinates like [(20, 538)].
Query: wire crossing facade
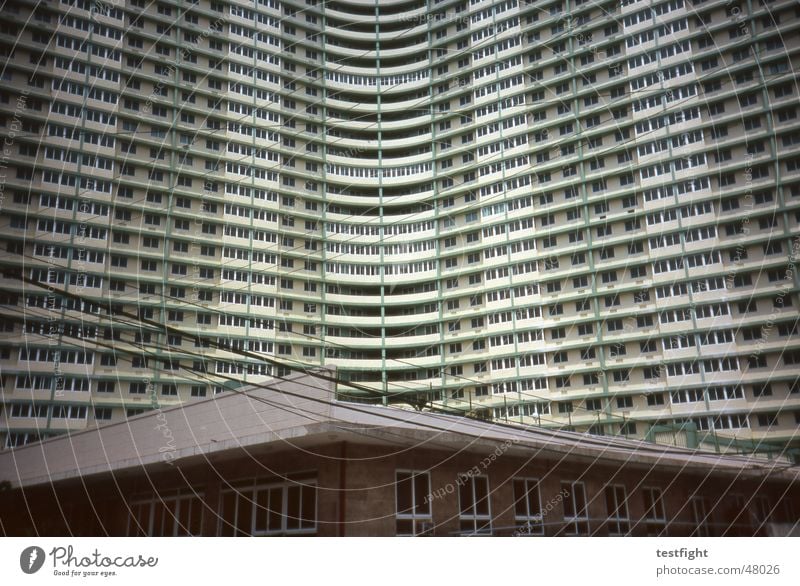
[(579, 215)]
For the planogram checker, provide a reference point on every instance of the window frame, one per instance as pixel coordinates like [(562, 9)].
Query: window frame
[(416, 518), (698, 506), (529, 523), (619, 519), (249, 493), (474, 523), (143, 512), (577, 523), (655, 515)]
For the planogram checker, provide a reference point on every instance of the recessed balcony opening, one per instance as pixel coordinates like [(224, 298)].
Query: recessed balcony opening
[(385, 98), (400, 7), (352, 44), (352, 8)]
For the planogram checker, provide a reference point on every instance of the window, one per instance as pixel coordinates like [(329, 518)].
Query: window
[(413, 498), (101, 414), (576, 516), (700, 516), (654, 514), (169, 516), (106, 386), (137, 388), (617, 507), (473, 500), (767, 419), (269, 509), (528, 507), (762, 390)]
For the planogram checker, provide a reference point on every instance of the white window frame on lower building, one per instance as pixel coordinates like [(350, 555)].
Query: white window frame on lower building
[(413, 503), (528, 516), (576, 509), (176, 515), (265, 508), (654, 514), (619, 521), (474, 505)]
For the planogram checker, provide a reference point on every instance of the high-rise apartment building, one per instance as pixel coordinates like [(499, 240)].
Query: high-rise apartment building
[(575, 214)]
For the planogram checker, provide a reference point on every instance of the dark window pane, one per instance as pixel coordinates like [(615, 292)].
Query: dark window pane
[(481, 496), (519, 498), (275, 509), (196, 517), (421, 492), (244, 514), (580, 501), (293, 508), (309, 506), (184, 510), (404, 494), (227, 515), (569, 503), (262, 510), (465, 498)]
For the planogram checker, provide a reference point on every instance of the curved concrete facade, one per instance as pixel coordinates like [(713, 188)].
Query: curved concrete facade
[(570, 214)]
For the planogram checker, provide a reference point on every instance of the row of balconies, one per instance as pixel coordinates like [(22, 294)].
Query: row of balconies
[(624, 215), (766, 420), (768, 281), (482, 141), (630, 395), (764, 282), (469, 345), (565, 318)]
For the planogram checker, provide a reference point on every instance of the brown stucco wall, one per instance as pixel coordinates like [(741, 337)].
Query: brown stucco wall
[(98, 505)]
